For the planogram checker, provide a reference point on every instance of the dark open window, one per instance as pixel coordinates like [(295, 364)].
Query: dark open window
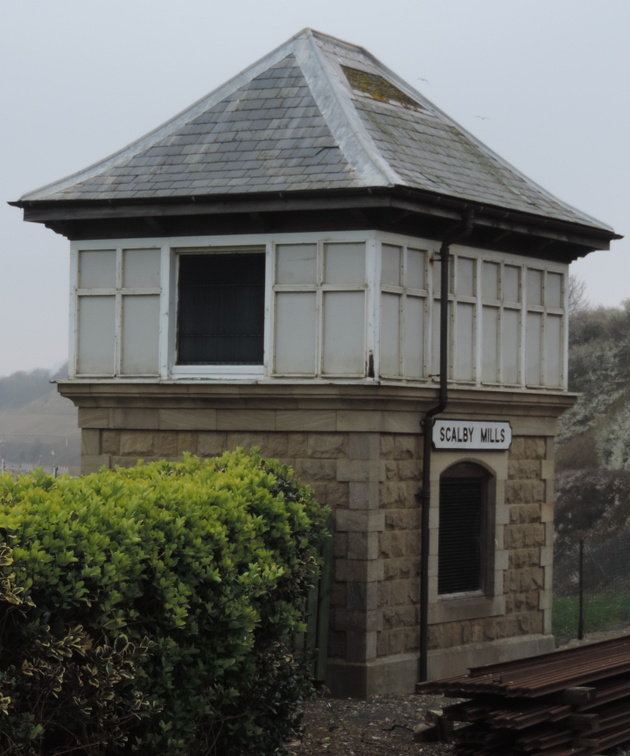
[(463, 523), (221, 309)]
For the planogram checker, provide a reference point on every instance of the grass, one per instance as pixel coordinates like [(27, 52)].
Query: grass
[(603, 611)]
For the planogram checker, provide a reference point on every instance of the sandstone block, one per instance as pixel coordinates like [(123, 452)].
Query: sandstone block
[(524, 469), (211, 444), (136, 442), (111, 442), (187, 442), (363, 494), (90, 442), (360, 520), (166, 444), (363, 446), (349, 570), (297, 445), (327, 445), (400, 616), (392, 544), (524, 513), (363, 545), (366, 621), (316, 469), (362, 645), (362, 597)]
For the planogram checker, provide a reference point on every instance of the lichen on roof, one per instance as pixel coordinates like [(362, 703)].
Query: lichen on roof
[(378, 88)]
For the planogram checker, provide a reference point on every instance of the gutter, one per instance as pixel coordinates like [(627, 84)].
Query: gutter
[(458, 234)]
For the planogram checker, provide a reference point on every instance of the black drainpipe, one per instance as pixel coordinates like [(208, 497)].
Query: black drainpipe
[(458, 234)]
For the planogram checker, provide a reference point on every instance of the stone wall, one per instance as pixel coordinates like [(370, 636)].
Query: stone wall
[(361, 450)]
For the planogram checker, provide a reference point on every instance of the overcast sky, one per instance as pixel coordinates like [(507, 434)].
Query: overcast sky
[(545, 83)]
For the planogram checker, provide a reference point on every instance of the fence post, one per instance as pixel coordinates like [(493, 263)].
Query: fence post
[(581, 594)]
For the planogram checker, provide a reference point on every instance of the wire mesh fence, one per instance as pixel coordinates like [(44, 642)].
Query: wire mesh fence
[(591, 587)]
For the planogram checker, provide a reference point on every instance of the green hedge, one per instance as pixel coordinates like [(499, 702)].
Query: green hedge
[(152, 609)]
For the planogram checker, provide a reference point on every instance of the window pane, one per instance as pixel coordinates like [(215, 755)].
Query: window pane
[(390, 265), (534, 287), (295, 333), (390, 334), (511, 283), (464, 352), (553, 294), (97, 324), (97, 269), (141, 268), (490, 282), (510, 345), (140, 335), (489, 355), (415, 269), (296, 263), (221, 309), (533, 349), (554, 350), (414, 338), (344, 318), (345, 263), (465, 277)]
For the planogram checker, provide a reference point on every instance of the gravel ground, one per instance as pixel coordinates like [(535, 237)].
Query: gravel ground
[(383, 726)]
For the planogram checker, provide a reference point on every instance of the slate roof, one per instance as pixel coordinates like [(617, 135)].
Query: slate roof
[(315, 114)]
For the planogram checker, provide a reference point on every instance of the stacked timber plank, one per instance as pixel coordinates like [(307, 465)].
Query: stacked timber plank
[(574, 702)]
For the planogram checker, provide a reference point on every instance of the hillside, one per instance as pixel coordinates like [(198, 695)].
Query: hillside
[(37, 426), (595, 433)]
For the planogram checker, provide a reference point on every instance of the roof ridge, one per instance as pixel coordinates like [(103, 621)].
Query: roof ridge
[(341, 116)]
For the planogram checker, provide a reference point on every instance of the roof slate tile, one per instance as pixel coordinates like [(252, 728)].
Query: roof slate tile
[(294, 121)]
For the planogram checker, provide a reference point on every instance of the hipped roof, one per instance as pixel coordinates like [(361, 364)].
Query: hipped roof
[(315, 115)]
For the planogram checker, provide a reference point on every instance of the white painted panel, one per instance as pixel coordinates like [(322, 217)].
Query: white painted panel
[(554, 353), (464, 348), (534, 287), (435, 270), (344, 324), (390, 334), (434, 367), (510, 345), (511, 283), (140, 335), (96, 348), (97, 269), (553, 292), (465, 277), (141, 268), (489, 352), (416, 259), (490, 281), (296, 263), (413, 347), (295, 333), (344, 263), (533, 351), (390, 265)]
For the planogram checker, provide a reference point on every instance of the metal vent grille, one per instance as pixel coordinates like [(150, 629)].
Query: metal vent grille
[(459, 562)]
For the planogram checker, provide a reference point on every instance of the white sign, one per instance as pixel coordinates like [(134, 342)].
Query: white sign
[(471, 434)]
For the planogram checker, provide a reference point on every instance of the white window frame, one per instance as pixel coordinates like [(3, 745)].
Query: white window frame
[(372, 290)]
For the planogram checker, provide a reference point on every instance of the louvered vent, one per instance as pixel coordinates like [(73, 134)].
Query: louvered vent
[(459, 564)]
